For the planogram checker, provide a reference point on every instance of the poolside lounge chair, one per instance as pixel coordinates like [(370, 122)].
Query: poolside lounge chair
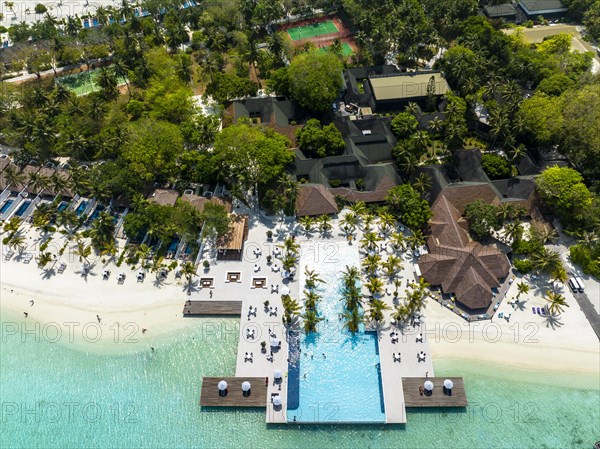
[(121, 278), (533, 310), (543, 310), (9, 255), (62, 267)]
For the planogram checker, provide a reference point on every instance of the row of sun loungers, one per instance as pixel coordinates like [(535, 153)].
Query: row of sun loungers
[(539, 310)]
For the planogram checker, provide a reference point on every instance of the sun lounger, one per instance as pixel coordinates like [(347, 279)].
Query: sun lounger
[(543, 310), (9, 255), (539, 311), (533, 310)]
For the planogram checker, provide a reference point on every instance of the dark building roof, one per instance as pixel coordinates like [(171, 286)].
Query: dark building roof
[(534, 7), (459, 265), (526, 166), (379, 181), (370, 139), (315, 200), (498, 11), (468, 166)]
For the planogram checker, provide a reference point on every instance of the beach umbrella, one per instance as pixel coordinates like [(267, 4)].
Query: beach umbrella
[(285, 291), (278, 374), (428, 385), (274, 342), (277, 400), (222, 385), (285, 274), (246, 386), (448, 384)]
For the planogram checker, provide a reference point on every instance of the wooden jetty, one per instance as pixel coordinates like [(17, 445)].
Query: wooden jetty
[(212, 308), (413, 398), (209, 396)]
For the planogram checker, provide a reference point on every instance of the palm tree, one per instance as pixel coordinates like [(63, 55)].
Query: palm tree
[(400, 313), (544, 233), (289, 262), (436, 125), (310, 299), (143, 253), (13, 225), (375, 286), (391, 266), (15, 241), (291, 308), (324, 223), (349, 221), (37, 182), (422, 183), (513, 230), (311, 319), (371, 264), (44, 259), (307, 223), (416, 239), (83, 251), (386, 222), (311, 278), (397, 239), (369, 241), (557, 302), (42, 220), (13, 177), (359, 208), (376, 309), (102, 230), (546, 261), (68, 219), (189, 271), (157, 264), (57, 184), (353, 320), (522, 287), (290, 246)]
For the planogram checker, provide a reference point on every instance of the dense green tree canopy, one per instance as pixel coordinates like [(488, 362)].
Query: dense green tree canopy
[(495, 166), (407, 204), (482, 218), (251, 155), (316, 140), (543, 117), (404, 125), (315, 80)]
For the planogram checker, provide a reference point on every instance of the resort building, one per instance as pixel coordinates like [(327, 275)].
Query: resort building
[(548, 9), (164, 197), (460, 266), (198, 202), (385, 89), (315, 199), (505, 11), (231, 245)]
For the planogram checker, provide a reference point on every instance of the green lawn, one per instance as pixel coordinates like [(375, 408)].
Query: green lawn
[(308, 31), (346, 49), (85, 82)]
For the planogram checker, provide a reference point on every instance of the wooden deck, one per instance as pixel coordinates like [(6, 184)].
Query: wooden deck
[(412, 398), (209, 396), (212, 308)]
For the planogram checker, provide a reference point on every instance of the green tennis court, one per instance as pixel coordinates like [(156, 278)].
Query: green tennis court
[(346, 49), (85, 82), (308, 31)]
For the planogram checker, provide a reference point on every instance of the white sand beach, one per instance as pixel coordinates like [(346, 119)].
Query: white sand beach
[(528, 341)]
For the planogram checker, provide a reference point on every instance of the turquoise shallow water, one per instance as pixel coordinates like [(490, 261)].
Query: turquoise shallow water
[(337, 370), (56, 396)]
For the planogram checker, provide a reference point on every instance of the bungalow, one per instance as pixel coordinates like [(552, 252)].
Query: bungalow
[(315, 199), (231, 245), (505, 11)]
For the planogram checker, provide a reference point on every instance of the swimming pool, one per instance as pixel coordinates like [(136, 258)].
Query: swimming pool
[(81, 208), (333, 376), (96, 212), (62, 206), (5, 206), (22, 208)]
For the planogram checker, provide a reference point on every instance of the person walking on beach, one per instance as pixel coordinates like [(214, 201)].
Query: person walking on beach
[(98, 318), (25, 313), (210, 294), (31, 302)]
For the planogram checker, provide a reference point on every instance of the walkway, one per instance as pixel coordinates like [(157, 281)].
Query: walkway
[(210, 397), (413, 397), (212, 308), (589, 311)]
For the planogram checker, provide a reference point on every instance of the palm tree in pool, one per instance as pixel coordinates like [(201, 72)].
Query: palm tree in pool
[(375, 286), (311, 319), (324, 223), (377, 306), (307, 223), (386, 222), (310, 299), (350, 275), (353, 318), (392, 266), (188, 270), (311, 278), (523, 288), (291, 309), (44, 259), (557, 302)]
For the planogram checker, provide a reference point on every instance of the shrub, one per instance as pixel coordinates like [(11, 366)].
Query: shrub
[(523, 265), (495, 166)]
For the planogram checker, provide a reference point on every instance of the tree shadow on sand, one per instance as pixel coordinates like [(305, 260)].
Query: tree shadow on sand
[(553, 321)]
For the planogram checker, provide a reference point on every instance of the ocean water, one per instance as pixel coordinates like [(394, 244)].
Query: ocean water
[(56, 395)]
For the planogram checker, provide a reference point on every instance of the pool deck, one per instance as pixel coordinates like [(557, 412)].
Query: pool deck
[(236, 298), (413, 397), (209, 396)]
